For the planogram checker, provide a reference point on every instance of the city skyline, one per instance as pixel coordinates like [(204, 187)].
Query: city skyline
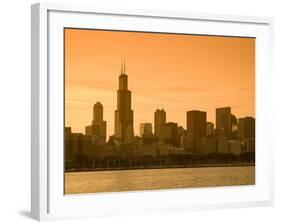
[(97, 81), (124, 118)]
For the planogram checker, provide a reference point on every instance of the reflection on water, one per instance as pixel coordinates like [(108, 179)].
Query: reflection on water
[(152, 179)]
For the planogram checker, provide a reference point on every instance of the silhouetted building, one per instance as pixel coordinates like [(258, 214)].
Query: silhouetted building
[(67, 130), (249, 145), (234, 147), (124, 117), (159, 122), (184, 142), (181, 131), (146, 134), (148, 139), (148, 151), (222, 144), (129, 136), (77, 146), (196, 123), (223, 121), (196, 129), (98, 126), (246, 128), (210, 129), (170, 133), (206, 145), (145, 129)]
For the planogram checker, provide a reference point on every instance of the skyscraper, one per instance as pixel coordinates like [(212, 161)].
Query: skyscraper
[(196, 123), (98, 126), (170, 131), (124, 116), (246, 128), (159, 122), (196, 129), (223, 121), (145, 129)]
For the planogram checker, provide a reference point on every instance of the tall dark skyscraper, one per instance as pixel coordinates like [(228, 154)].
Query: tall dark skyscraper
[(98, 126), (224, 122), (159, 122), (124, 115), (196, 123), (246, 128)]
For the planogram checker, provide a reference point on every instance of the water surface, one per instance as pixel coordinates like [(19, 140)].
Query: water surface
[(155, 179)]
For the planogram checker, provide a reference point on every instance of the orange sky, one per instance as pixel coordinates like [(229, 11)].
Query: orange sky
[(182, 72)]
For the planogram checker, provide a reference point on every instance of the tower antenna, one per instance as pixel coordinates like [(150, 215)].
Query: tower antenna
[(124, 66)]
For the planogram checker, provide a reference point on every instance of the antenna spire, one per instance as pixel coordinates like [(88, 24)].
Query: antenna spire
[(124, 66)]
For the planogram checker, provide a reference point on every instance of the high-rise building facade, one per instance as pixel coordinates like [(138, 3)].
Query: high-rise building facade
[(145, 129), (98, 126), (223, 121), (124, 115), (196, 123), (196, 129), (246, 128), (159, 122), (170, 133)]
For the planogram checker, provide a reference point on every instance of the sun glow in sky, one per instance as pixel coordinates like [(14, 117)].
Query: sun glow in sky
[(180, 72)]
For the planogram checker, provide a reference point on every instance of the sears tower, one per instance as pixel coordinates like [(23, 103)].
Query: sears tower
[(124, 115)]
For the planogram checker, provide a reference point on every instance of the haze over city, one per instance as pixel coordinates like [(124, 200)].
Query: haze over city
[(180, 72)]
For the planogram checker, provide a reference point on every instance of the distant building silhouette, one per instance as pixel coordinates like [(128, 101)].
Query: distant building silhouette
[(170, 133), (222, 143), (76, 147), (234, 147), (209, 129), (206, 145), (159, 122), (124, 116), (129, 136), (67, 130), (224, 121), (98, 126), (246, 128), (196, 128), (196, 123), (145, 129), (246, 133)]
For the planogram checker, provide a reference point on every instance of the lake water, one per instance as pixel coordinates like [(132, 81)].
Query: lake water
[(152, 179)]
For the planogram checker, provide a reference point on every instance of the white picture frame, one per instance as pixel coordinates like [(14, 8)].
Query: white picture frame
[(47, 198)]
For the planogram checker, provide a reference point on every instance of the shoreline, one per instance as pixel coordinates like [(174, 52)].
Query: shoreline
[(163, 167)]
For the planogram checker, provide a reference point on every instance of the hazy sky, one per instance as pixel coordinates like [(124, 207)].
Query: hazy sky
[(180, 72)]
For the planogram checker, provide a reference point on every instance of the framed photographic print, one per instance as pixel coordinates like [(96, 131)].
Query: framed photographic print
[(148, 111)]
